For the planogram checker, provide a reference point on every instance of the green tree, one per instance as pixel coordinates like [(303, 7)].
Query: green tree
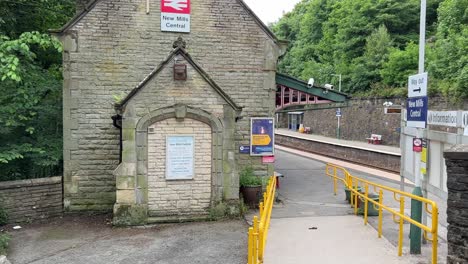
[(351, 37), (400, 65), (31, 100), (450, 64), (365, 70), (30, 80)]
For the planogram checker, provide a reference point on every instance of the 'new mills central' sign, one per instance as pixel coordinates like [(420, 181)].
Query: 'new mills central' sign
[(175, 15)]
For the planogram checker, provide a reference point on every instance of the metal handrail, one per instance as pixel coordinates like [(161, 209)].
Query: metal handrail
[(352, 183), (259, 231)]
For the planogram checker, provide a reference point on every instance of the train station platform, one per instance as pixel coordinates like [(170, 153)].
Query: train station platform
[(312, 225), (378, 156), (334, 141)]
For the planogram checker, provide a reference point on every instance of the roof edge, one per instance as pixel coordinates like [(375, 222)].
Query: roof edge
[(76, 18), (93, 3), (305, 83), (184, 53), (262, 25)]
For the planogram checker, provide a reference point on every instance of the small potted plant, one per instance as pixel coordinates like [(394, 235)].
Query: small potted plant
[(250, 187)]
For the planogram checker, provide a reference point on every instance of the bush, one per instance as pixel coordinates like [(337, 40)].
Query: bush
[(247, 178), (3, 216), (4, 239), (218, 211)]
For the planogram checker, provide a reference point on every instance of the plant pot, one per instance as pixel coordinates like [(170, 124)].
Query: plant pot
[(251, 195), (348, 193), (371, 210)]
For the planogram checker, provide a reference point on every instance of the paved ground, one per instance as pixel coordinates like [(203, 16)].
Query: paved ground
[(309, 222), (92, 240), (308, 201)]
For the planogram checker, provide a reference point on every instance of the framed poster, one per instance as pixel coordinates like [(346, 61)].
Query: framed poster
[(262, 136), (180, 157)]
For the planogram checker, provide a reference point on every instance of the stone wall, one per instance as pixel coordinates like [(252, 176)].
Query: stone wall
[(359, 121), (362, 156), (179, 197), (367, 116), (457, 205), (28, 200), (116, 45)]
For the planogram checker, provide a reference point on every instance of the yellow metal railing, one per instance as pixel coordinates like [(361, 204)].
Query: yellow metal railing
[(259, 231), (353, 184)]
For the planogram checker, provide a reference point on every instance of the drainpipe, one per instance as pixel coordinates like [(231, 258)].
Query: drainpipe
[(117, 122)]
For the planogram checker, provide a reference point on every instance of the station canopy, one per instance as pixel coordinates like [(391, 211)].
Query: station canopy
[(292, 93)]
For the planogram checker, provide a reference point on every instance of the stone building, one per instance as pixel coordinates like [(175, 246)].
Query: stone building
[(133, 87)]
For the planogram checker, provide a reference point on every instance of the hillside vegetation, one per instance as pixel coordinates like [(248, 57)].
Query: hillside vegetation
[(373, 44)]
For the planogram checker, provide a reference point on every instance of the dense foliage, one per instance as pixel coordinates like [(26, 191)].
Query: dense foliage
[(373, 44), (30, 83)]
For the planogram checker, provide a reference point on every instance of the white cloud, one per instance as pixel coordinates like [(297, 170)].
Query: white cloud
[(271, 10)]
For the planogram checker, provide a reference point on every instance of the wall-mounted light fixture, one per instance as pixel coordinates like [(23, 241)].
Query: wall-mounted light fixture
[(180, 72)]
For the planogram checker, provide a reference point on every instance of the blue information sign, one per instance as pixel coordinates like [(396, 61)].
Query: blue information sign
[(244, 149), (416, 114), (338, 112), (262, 132)]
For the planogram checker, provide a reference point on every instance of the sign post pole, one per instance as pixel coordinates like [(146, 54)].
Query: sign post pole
[(338, 128), (416, 206)]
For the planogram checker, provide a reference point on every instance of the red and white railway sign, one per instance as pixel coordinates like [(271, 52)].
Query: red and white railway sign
[(175, 15)]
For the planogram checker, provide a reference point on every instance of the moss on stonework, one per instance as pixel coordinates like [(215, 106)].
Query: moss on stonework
[(125, 182), (142, 182), (226, 209), (130, 215), (128, 134)]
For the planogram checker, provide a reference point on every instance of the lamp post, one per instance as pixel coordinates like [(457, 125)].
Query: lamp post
[(339, 109), (339, 81)]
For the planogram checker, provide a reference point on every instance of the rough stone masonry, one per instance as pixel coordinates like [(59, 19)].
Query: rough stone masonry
[(116, 49), (457, 205)]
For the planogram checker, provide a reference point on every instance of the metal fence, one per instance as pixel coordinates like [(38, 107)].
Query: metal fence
[(359, 189), (259, 231)]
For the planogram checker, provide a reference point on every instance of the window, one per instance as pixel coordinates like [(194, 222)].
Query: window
[(286, 96)]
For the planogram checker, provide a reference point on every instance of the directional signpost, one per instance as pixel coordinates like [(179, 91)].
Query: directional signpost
[(417, 85), (417, 117), (417, 101), (338, 128), (338, 112)]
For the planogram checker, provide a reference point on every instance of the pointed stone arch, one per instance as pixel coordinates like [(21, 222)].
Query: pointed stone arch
[(132, 174)]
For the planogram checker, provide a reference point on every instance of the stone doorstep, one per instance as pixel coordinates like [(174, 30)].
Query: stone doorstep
[(177, 219)]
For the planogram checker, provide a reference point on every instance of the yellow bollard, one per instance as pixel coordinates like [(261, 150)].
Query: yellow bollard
[(334, 179), (435, 228), (250, 247), (256, 236), (380, 213), (366, 203), (261, 207), (400, 236)]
